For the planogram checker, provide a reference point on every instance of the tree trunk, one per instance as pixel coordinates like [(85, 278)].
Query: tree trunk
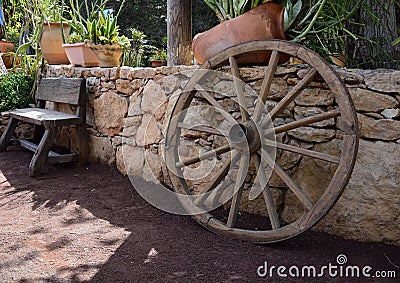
[(179, 32), (373, 49)]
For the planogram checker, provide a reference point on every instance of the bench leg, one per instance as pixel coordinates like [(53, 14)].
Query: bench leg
[(40, 156), (82, 140), (6, 137)]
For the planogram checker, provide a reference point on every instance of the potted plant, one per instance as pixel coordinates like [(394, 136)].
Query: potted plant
[(78, 53), (48, 30), (249, 20), (6, 46), (105, 40), (158, 59), (53, 31)]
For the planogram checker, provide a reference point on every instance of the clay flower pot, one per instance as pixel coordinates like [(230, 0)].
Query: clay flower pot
[(81, 55), (108, 55), (261, 23), (9, 59), (51, 43), (157, 63), (6, 47)]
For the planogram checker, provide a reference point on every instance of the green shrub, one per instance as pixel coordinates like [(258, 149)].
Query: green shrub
[(15, 91)]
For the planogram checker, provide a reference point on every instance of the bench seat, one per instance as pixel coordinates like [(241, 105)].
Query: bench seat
[(40, 116)]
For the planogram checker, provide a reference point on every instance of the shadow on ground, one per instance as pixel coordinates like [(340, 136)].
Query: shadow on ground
[(105, 216)]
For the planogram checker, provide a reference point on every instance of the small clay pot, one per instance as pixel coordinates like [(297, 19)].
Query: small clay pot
[(156, 63), (6, 46)]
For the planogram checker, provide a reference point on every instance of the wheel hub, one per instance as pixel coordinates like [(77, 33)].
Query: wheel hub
[(245, 137)]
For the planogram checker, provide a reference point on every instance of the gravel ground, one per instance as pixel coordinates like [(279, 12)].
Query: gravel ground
[(88, 224)]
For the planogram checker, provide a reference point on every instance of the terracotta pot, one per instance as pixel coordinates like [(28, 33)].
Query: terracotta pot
[(6, 46), (81, 55), (157, 63), (51, 43), (108, 55), (8, 60), (261, 23)]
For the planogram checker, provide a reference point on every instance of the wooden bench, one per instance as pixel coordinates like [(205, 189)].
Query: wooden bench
[(70, 91)]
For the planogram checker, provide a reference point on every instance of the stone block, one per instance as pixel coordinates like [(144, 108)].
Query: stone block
[(110, 109), (101, 150), (384, 129), (310, 134), (369, 101), (315, 97), (388, 81)]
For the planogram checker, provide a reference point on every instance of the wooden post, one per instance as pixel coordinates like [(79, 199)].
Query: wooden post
[(179, 32)]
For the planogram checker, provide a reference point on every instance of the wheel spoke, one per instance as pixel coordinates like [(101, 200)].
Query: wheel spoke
[(266, 85), (242, 172), (241, 176), (197, 76), (288, 181), (265, 189), (233, 212), (306, 121), (219, 176), (303, 151), (218, 106), (204, 129), (239, 88), (293, 93), (203, 156)]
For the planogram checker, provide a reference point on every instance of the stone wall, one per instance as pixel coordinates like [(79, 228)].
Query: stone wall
[(23, 130), (126, 118)]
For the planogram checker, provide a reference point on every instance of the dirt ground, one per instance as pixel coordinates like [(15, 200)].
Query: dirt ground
[(88, 224)]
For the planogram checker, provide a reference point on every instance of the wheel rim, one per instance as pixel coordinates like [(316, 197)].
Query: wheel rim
[(247, 132)]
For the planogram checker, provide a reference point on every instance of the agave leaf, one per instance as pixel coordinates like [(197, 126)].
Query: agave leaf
[(222, 11), (291, 15), (114, 27), (210, 3), (93, 32), (241, 6), (225, 5), (108, 23)]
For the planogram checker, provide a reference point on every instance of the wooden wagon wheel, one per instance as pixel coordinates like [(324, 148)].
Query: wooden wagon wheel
[(250, 166)]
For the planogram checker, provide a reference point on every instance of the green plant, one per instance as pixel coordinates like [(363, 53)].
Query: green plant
[(36, 14), (80, 16), (133, 56), (15, 91), (229, 9), (160, 54), (13, 18), (104, 30), (41, 12), (148, 52)]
